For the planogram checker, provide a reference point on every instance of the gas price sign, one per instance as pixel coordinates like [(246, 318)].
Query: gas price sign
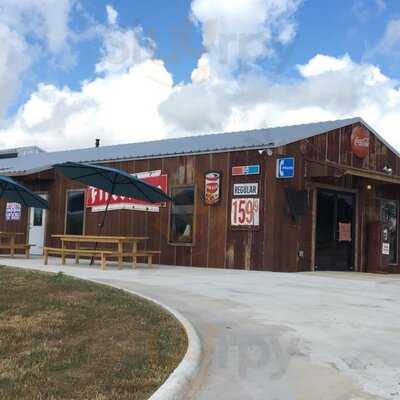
[(245, 212)]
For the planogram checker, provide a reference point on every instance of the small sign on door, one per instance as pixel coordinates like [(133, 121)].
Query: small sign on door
[(386, 249)]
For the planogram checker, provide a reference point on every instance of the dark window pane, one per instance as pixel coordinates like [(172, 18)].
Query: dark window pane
[(37, 217), (75, 213), (181, 229), (389, 216)]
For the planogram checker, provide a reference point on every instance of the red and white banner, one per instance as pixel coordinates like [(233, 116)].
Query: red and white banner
[(97, 199)]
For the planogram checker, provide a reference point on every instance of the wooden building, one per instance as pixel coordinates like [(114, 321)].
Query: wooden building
[(319, 196)]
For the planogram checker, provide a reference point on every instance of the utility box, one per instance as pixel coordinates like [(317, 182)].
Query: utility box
[(378, 248)]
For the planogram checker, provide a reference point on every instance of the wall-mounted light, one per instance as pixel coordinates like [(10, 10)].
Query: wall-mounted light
[(269, 152), (369, 187), (388, 169)]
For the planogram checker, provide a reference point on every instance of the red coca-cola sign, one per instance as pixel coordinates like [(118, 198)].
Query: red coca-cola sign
[(360, 142)]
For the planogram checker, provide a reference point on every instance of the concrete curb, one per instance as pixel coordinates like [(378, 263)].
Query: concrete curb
[(179, 382)]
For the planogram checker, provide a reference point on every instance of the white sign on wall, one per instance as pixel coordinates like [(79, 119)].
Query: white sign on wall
[(386, 249), (245, 212), (13, 211), (245, 189)]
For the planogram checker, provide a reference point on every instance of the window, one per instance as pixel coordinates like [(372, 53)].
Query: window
[(75, 212), (389, 216), (182, 211), (37, 217)]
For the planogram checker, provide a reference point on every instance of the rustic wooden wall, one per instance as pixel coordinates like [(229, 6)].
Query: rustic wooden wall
[(275, 245)]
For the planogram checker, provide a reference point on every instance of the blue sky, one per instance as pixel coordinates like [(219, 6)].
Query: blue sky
[(326, 27), (57, 78)]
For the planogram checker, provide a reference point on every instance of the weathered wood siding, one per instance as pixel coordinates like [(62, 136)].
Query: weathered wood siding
[(274, 245)]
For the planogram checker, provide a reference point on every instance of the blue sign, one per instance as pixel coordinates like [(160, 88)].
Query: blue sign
[(285, 168)]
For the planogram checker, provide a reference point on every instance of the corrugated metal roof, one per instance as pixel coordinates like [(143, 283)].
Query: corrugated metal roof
[(256, 139)]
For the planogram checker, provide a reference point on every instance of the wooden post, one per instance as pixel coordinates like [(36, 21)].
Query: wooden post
[(63, 262), (12, 245), (103, 261), (77, 246), (120, 253), (134, 252), (46, 256)]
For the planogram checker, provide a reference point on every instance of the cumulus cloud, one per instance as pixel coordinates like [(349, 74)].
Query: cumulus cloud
[(112, 15), (327, 88), (15, 59), (132, 96), (390, 43), (46, 20), (243, 31), (27, 29), (119, 105)]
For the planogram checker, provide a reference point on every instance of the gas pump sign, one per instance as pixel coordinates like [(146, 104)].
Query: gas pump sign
[(245, 212)]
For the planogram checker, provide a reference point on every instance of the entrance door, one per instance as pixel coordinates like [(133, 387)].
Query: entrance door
[(335, 231), (37, 226)]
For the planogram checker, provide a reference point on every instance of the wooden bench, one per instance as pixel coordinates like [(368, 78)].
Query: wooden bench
[(149, 254), (17, 246), (76, 252), (102, 254)]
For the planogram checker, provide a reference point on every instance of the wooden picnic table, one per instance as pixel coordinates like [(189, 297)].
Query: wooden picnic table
[(120, 241), (12, 243)]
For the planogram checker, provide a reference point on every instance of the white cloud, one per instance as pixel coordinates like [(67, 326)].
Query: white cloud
[(117, 108), (390, 42), (123, 49), (322, 64), (29, 29), (15, 59), (243, 31), (46, 20), (133, 97), (328, 88), (112, 15)]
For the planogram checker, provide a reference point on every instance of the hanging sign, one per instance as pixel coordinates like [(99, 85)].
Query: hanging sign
[(212, 189), (97, 199), (285, 168), (345, 232), (246, 170), (245, 212), (13, 212), (360, 141), (245, 189), (386, 249)]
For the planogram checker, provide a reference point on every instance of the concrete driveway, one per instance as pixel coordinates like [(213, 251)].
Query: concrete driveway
[(277, 336)]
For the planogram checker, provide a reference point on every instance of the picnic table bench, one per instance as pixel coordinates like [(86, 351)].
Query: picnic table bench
[(102, 254), (12, 245)]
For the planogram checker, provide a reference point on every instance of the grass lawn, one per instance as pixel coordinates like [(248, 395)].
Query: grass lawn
[(62, 338)]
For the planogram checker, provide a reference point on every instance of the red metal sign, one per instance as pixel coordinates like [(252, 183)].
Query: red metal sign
[(360, 142), (212, 190), (97, 199)]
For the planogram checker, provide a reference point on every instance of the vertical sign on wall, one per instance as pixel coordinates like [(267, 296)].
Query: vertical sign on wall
[(13, 212), (245, 212), (212, 189), (285, 168)]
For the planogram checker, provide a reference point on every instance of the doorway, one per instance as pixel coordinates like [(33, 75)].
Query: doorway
[(37, 229), (335, 231)]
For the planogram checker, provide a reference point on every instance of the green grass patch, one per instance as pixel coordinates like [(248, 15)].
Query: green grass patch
[(63, 338)]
